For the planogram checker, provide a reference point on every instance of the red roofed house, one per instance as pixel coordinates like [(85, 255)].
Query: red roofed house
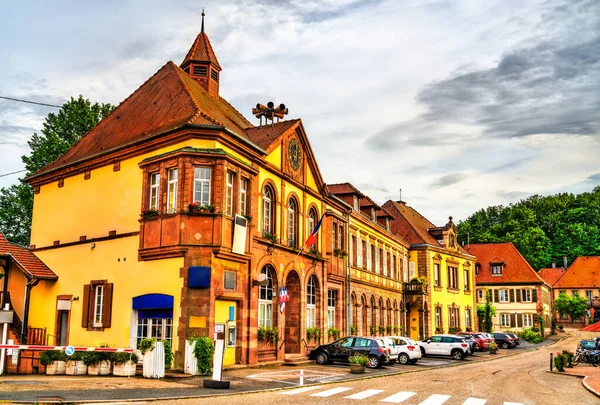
[(582, 278), (176, 217), (22, 272), (519, 294)]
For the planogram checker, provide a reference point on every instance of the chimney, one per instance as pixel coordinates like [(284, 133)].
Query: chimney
[(565, 262), (553, 264)]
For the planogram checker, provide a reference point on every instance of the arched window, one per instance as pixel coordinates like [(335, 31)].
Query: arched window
[(313, 218), (311, 302), (292, 224), (265, 301), (268, 210)]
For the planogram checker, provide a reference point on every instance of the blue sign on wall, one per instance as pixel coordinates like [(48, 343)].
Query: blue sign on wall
[(199, 277)]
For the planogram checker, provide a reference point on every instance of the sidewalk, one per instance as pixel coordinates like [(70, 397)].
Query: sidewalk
[(82, 389), (591, 377)]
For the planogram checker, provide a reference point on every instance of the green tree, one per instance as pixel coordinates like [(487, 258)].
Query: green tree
[(573, 307), (59, 132), (488, 310)]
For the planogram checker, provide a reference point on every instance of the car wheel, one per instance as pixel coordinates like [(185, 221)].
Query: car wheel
[(505, 345), (423, 352), (374, 362), (322, 358), (457, 354), (403, 358)]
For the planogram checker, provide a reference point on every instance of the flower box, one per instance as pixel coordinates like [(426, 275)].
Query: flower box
[(56, 368), (75, 367), (101, 368), (126, 369)]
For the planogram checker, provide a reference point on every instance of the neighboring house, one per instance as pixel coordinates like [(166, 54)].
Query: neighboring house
[(22, 273), (581, 278), (519, 294), (376, 258), (445, 301), (551, 274)]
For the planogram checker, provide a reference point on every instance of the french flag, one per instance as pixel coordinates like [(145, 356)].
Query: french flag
[(312, 238)]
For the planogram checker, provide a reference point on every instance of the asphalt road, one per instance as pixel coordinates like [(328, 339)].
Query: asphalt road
[(519, 379)]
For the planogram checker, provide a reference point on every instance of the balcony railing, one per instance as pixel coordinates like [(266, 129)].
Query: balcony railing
[(415, 288)]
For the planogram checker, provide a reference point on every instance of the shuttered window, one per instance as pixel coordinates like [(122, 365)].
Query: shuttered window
[(97, 305)]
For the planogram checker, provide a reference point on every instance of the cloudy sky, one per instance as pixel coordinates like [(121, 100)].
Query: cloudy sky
[(461, 104)]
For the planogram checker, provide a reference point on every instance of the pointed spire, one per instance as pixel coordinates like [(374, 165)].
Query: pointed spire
[(202, 30)]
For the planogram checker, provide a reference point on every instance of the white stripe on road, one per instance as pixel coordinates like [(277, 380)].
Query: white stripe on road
[(435, 399), (299, 390), (330, 392), (513, 403), (364, 394), (399, 397), (475, 401)]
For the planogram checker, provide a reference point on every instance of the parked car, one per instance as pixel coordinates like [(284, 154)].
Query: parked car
[(445, 345), (471, 342), (514, 337), (374, 348), (503, 340), (404, 349), (481, 340)]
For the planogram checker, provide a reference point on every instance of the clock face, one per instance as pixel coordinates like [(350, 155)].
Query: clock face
[(294, 154)]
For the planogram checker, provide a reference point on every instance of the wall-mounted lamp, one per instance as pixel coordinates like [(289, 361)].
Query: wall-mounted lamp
[(261, 281), (75, 298), (270, 249), (93, 245)]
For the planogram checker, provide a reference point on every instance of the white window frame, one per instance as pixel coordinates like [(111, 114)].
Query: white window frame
[(467, 280), (331, 302), (438, 317), (467, 318), (496, 270), (356, 207), (480, 295), (505, 320), (503, 295), (359, 252), (265, 305), (526, 295), (98, 305), (292, 208), (527, 320), (311, 300), (436, 275), (172, 181), (202, 178), (149, 325), (243, 196), (377, 258), (154, 191), (392, 266), (385, 266), (369, 259), (267, 209), (230, 179)]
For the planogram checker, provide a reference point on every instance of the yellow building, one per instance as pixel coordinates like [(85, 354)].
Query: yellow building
[(440, 279)]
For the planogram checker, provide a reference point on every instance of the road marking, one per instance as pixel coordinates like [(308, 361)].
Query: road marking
[(435, 399), (364, 394), (399, 397), (513, 403), (299, 390), (116, 403), (475, 401), (331, 392)]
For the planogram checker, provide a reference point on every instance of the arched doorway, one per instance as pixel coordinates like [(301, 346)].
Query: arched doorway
[(293, 313)]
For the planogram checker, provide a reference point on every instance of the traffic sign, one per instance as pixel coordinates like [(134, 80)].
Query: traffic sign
[(69, 350)]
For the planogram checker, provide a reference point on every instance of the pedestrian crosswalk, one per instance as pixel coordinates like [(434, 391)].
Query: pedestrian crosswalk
[(401, 397)]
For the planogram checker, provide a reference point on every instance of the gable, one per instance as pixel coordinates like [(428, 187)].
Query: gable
[(515, 269)]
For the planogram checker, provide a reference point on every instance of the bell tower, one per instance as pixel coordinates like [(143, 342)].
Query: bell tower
[(202, 64)]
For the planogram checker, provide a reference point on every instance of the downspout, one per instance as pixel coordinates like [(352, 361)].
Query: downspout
[(28, 287), (348, 292)]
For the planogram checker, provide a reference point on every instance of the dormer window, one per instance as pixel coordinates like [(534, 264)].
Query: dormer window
[(496, 269), (373, 217), (387, 224), (215, 75), (355, 203), (200, 70), (477, 268)]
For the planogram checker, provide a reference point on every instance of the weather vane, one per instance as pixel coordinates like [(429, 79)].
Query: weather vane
[(270, 112)]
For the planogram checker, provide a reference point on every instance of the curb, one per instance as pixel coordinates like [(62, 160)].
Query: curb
[(589, 387)]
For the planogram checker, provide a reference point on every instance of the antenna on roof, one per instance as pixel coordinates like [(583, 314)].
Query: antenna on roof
[(270, 112), (202, 30), (400, 194)]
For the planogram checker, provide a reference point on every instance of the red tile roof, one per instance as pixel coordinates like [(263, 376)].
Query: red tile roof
[(409, 224), (264, 135), (515, 270), (584, 272), (551, 274), (344, 188), (166, 101), (201, 51), (26, 260)]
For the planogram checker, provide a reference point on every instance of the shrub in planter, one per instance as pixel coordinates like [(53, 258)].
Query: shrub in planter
[(373, 330), (358, 363), (148, 345), (559, 362), (203, 352), (493, 347), (75, 364), (54, 360), (333, 333), (98, 363), (568, 358), (124, 364)]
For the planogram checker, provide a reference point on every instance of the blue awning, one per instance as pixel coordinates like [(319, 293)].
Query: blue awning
[(153, 301)]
